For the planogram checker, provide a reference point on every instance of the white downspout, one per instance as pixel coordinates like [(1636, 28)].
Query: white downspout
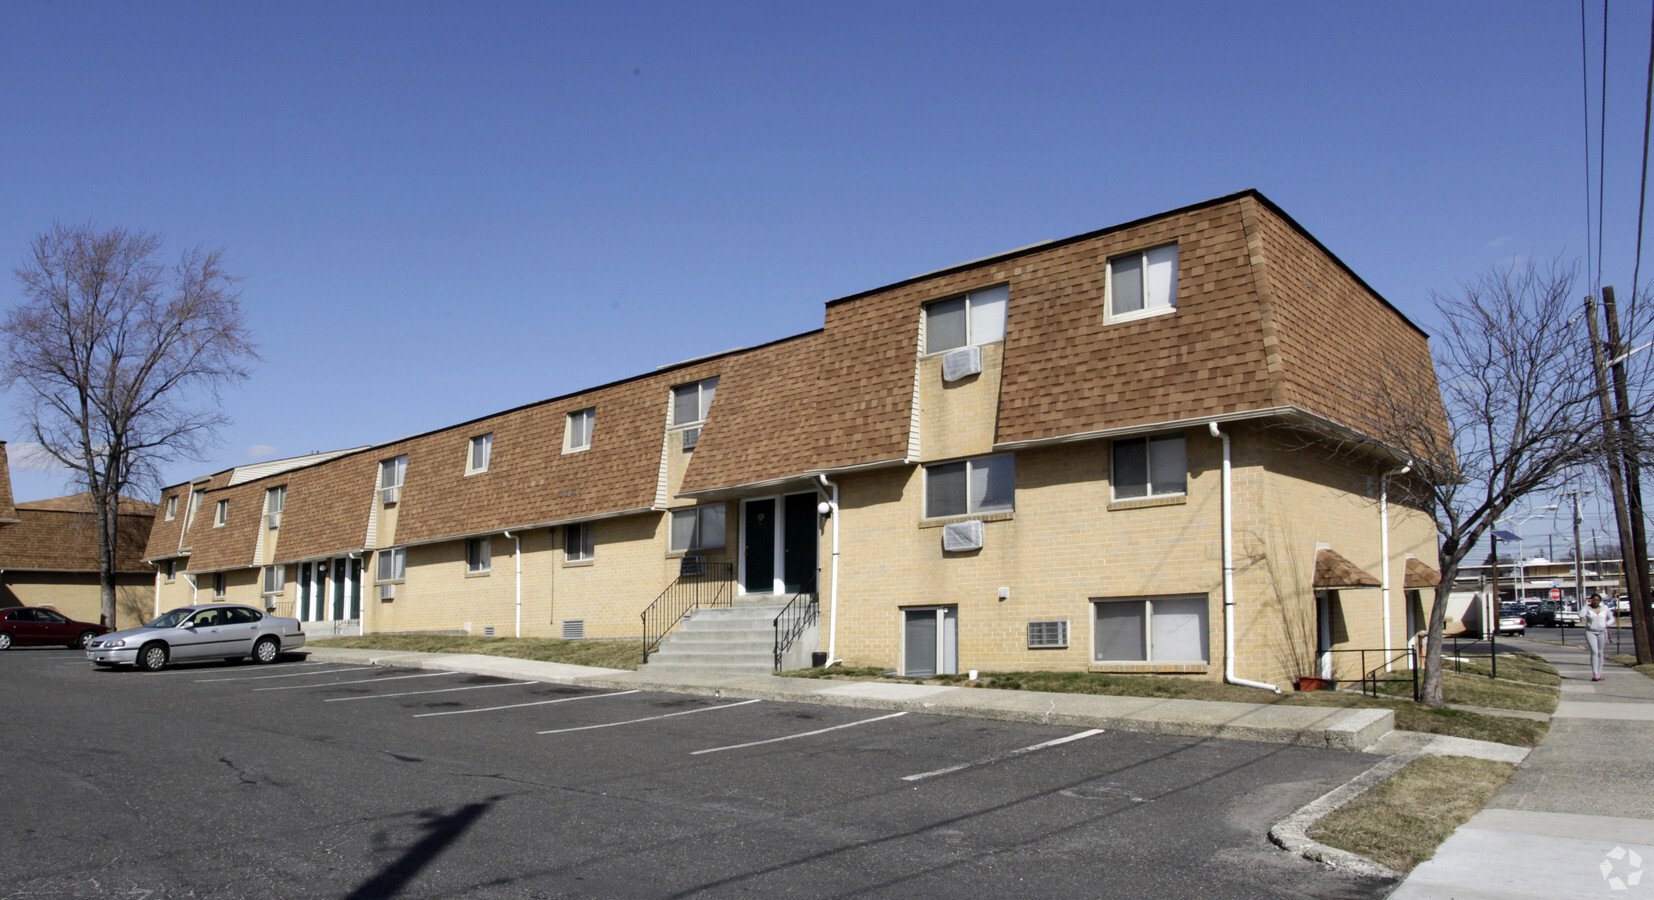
[(1384, 550), (832, 607), (1229, 575), (517, 561)]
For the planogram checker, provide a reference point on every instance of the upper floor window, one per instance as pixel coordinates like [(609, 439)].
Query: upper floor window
[(970, 486), (1149, 467), (975, 318), (700, 528), (221, 514), (482, 446), (275, 500), (578, 542), (392, 565), (690, 402), (577, 434), (172, 507), (479, 555), (392, 472), (1143, 283), (195, 506)]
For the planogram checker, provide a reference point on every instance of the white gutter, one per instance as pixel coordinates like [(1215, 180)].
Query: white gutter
[(1384, 551), (517, 561), (1229, 574), (832, 607)]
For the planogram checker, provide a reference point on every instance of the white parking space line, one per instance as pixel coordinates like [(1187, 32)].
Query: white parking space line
[(687, 712), (799, 735), (474, 687), (290, 674), (457, 712), (300, 687), (998, 757)]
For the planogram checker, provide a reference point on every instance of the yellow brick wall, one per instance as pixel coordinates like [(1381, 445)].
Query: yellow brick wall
[(957, 419), (78, 596)]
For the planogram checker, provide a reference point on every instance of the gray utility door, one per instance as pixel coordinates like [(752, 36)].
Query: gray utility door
[(930, 641), (779, 536)]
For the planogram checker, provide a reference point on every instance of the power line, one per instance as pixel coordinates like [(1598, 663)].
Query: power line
[(1642, 192)]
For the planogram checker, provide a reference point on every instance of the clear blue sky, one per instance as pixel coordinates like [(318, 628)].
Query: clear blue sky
[(445, 210)]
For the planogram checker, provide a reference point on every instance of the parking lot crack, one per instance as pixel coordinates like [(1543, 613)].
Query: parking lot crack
[(241, 773)]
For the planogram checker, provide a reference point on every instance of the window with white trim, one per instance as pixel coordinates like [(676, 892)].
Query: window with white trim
[(479, 555), (700, 528), (579, 543), (220, 585), (1149, 467), (275, 500), (971, 486), (391, 565), (1151, 629), (275, 578), (392, 472), (577, 433), (968, 320), (1142, 284), (482, 447), (195, 507), (171, 570), (221, 514), (172, 507), (691, 402)]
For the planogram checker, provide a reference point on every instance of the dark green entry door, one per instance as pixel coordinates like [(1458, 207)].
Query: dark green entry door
[(758, 552), (798, 544)]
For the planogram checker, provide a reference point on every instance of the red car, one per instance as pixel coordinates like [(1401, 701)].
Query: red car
[(33, 625)]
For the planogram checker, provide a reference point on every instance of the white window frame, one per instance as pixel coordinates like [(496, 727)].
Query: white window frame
[(172, 507), (479, 556), (1148, 614), (1167, 305), (705, 389), (984, 324), (170, 571), (220, 585), (397, 468), (577, 430), (195, 507), (275, 500), (275, 579), (697, 540), (221, 514), (579, 542), (396, 560), (479, 453), (1148, 442), (975, 468)]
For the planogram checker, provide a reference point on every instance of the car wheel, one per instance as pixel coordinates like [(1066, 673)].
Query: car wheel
[(5, 640), (85, 640), (152, 657), (266, 650)]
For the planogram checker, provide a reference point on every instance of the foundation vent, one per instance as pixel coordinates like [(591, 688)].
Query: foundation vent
[(574, 629)]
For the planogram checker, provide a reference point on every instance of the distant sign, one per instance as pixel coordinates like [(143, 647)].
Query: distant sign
[(1556, 593)]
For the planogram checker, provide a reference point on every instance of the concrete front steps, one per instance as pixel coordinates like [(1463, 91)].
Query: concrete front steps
[(739, 638)]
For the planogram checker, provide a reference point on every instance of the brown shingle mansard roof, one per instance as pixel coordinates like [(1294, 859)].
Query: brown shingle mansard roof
[(60, 535)]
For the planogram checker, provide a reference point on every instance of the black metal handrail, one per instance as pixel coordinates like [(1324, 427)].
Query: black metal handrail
[(802, 611), (711, 586), (1387, 656)]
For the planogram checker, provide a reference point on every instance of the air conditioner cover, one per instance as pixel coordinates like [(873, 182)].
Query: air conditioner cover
[(959, 536), (957, 364)]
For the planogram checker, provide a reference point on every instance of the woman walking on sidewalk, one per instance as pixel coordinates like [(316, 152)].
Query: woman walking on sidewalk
[(1596, 618)]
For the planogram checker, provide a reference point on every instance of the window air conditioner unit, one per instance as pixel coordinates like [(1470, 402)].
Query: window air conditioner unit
[(274, 520), (691, 565), (961, 536), (960, 363), (390, 495), (1048, 635), (387, 592), (691, 437)]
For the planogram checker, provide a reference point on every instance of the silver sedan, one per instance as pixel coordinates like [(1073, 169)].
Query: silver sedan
[(193, 633)]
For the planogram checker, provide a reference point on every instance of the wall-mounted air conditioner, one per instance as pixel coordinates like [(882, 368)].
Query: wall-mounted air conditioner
[(387, 592), (273, 520), (965, 361), (1051, 635), (691, 565), (390, 495), (691, 437), (961, 536)]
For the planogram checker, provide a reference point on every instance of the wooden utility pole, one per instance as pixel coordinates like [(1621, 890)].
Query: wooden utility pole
[(1620, 451)]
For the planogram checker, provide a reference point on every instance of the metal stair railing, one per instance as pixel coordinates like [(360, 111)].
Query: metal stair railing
[(712, 586), (802, 611)]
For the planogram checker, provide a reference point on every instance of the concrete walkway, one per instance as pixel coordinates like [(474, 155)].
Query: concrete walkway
[(1577, 818)]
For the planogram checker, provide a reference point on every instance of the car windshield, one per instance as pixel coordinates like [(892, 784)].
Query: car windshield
[(171, 619)]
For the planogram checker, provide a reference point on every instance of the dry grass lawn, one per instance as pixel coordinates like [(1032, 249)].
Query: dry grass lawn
[(1401, 822), (606, 654)]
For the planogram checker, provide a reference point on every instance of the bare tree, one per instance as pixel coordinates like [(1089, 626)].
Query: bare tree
[(117, 360), (1519, 409)]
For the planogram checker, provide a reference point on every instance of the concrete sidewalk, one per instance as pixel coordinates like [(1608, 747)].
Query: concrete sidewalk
[(1335, 728), (1577, 818)]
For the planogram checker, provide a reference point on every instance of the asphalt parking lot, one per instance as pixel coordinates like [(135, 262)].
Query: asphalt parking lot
[(328, 780)]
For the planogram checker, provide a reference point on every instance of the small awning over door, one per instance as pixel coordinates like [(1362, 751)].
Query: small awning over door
[(1334, 571), (1420, 575)]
